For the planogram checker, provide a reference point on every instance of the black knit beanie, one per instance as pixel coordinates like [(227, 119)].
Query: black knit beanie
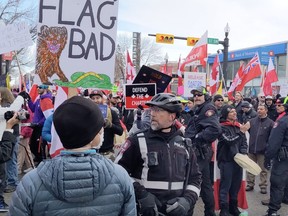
[(77, 121), (225, 111), (217, 96)]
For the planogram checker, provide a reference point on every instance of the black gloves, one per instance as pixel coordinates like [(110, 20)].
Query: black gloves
[(267, 164), (25, 95), (147, 202), (177, 206), (147, 205), (139, 112)]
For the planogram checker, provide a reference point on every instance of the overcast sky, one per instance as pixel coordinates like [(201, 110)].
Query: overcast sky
[(252, 22)]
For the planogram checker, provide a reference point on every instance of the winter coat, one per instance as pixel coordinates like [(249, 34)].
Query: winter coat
[(75, 184), (260, 129), (231, 142)]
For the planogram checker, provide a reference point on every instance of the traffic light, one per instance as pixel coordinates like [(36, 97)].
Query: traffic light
[(191, 41), (165, 38)]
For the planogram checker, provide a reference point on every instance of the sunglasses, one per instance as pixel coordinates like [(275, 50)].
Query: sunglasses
[(198, 95), (40, 87), (220, 100), (279, 105)]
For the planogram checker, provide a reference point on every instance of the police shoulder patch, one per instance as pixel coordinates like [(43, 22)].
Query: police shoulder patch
[(275, 125), (125, 146), (209, 113)]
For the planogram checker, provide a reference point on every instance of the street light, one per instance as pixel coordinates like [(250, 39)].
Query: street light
[(225, 44)]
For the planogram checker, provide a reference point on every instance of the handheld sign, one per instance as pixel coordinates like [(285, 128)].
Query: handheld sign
[(193, 80), (150, 75), (139, 94)]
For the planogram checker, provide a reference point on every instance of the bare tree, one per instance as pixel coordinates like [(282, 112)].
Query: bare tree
[(150, 53), (16, 11)]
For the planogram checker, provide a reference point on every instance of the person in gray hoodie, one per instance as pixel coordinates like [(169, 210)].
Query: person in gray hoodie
[(79, 181)]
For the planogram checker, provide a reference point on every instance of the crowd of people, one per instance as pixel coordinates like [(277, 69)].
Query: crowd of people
[(164, 164)]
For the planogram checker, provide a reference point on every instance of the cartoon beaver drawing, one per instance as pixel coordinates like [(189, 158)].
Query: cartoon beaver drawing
[(51, 41)]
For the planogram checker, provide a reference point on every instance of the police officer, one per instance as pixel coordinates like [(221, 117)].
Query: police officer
[(277, 151), (203, 129), (162, 162)]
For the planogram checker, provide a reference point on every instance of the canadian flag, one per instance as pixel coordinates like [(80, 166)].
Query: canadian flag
[(130, 70), (214, 76), (198, 54), (236, 82), (269, 77), (63, 93)]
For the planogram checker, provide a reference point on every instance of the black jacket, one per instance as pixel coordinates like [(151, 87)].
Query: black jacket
[(272, 112), (6, 146), (239, 111), (260, 129), (160, 163), (109, 133), (204, 127), (278, 138), (231, 142)]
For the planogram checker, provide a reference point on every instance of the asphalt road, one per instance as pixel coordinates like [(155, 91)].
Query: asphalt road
[(254, 201)]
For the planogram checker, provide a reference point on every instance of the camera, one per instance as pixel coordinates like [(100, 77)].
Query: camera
[(22, 115)]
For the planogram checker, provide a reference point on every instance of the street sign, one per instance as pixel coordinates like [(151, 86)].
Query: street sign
[(213, 41), (139, 94)]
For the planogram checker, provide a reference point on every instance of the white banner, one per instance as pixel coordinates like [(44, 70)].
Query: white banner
[(193, 80), (77, 42), (14, 37)]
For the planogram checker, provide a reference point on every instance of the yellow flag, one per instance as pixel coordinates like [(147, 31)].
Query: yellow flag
[(219, 91), (8, 79)]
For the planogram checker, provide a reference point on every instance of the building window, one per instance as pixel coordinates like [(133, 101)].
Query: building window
[(281, 66)]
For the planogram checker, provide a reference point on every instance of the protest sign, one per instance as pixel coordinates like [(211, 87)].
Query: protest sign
[(193, 80)]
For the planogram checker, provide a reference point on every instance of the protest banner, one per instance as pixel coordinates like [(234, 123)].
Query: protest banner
[(76, 43), (193, 80)]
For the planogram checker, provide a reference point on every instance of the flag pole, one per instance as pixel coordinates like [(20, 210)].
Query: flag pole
[(20, 73)]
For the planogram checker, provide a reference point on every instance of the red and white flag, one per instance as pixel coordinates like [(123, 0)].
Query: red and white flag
[(235, 83), (251, 71), (198, 54), (56, 145), (269, 77), (130, 70), (214, 76)]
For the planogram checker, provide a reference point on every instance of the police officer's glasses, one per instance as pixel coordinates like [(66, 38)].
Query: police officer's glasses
[(156, 109)]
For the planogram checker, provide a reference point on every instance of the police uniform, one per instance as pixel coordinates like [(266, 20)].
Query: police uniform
[(277, 150), (159, 161), (203, 129)]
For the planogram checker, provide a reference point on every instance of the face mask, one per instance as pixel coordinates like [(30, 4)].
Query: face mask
[(101, 141)]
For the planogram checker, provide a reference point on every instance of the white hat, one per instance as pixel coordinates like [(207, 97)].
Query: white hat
[(246, 163)]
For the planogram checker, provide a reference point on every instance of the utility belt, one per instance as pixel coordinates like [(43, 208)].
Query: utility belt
[(203, 151), (283, 153)]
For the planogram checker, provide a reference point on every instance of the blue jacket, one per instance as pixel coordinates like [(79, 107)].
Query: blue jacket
[(46, 130), (75, 184)]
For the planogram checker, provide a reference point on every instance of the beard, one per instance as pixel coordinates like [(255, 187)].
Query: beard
[(155, 125)]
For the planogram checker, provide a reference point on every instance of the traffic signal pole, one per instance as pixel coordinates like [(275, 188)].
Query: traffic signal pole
[(175, 37)]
